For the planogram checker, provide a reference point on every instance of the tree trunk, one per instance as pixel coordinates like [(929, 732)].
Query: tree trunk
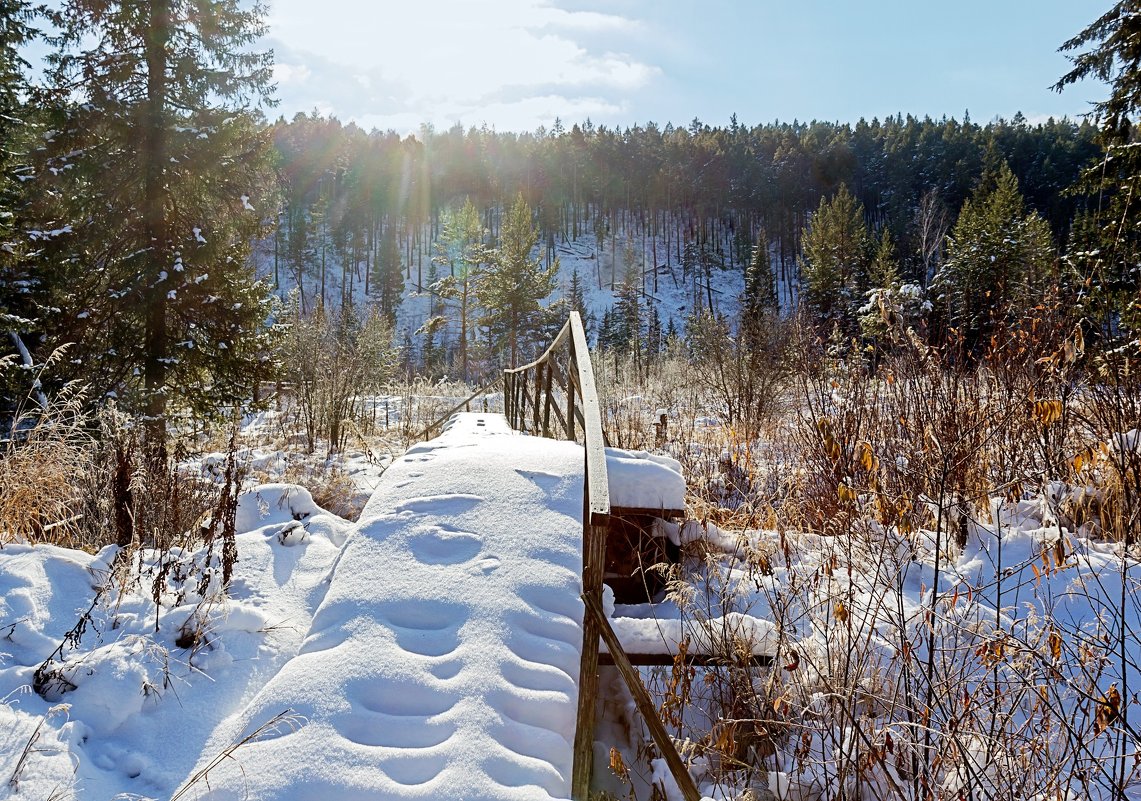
[(154, 156)]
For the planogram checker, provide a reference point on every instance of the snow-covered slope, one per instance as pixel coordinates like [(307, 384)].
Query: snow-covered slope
[(443, 661)]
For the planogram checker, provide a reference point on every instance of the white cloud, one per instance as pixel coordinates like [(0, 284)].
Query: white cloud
[(285, 74), (438, 60)]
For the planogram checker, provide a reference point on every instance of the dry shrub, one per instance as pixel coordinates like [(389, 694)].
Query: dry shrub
[(331, 487), (46, 452), (334, 361)]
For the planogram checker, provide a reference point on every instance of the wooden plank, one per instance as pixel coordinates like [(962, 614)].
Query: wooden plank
[(697, 660), (538, 374), (547, 398), (525, 403), (642, 700), (553, 407), (638, 511), (508, 389)]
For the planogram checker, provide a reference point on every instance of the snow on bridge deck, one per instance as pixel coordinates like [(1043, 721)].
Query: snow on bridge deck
[(443, 662)]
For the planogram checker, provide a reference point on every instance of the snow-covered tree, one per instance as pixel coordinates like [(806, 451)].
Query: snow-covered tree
[(999, 258), (1107, 258), (156, 168)]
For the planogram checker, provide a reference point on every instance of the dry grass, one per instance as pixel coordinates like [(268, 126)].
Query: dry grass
[(41, 461)]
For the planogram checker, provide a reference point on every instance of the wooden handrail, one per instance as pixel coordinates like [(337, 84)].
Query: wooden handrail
[(559, 385), (532, 392)]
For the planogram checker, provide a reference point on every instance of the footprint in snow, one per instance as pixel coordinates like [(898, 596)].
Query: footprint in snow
[(441, 546), (484, 567)]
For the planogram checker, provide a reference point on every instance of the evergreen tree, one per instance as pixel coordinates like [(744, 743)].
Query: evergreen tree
[(1108, 259), (891, 305), (760, 288), (156, 157), (388, 275), (999, 258), (460, 247), (627, 320), (513, 285), (654, 337), (15, 279), (576, 293), (834, 266)]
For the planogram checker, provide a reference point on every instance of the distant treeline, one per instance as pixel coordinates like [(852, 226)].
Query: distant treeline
[(588, 178)]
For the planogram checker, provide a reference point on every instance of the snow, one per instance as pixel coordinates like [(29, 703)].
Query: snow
[(640, 480), (733, 632), (443, 661), (143, 708)]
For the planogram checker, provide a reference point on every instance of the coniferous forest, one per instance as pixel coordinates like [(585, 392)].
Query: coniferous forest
[(153, 210), (887, 371)]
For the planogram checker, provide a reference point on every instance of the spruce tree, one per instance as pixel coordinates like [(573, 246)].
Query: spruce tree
[(834, 266), (160, 163), (760, 289), (16, 280), (1108, 258), (999, 258), (513, 285)]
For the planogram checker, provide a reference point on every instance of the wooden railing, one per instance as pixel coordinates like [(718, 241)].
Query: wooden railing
[(554, 396)]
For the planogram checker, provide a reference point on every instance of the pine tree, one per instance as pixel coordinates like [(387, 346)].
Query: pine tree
[(160, 162), (460, 247), (388, 275), (999, 258), (513, 285), (834, 267)]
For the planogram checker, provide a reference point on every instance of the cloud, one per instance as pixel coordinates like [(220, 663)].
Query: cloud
[(514, 64)]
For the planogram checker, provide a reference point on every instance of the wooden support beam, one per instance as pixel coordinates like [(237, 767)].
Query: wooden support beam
[(697, 660), (537, 396), (594, 556), (642, 699)]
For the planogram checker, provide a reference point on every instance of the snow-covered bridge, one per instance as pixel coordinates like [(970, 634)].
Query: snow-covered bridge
[(444, 660), (452, 656)]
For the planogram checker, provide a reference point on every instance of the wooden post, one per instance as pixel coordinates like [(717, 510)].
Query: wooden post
[(547, 400), (594, 554), (535, 398), (641, 699)]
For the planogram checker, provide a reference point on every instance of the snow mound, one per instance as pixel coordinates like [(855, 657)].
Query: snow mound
[(443, 661), (288, 513), (132, 702), (640, 480)]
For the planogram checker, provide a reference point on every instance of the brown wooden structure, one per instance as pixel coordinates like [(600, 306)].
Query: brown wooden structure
[(555, 396)]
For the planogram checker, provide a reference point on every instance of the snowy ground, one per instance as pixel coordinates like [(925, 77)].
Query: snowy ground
[(143, 706), (435, 648)]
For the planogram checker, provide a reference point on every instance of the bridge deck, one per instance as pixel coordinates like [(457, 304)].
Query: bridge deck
[(443, 662)]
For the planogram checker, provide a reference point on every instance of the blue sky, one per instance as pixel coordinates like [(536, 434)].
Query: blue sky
[(517, 64)]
